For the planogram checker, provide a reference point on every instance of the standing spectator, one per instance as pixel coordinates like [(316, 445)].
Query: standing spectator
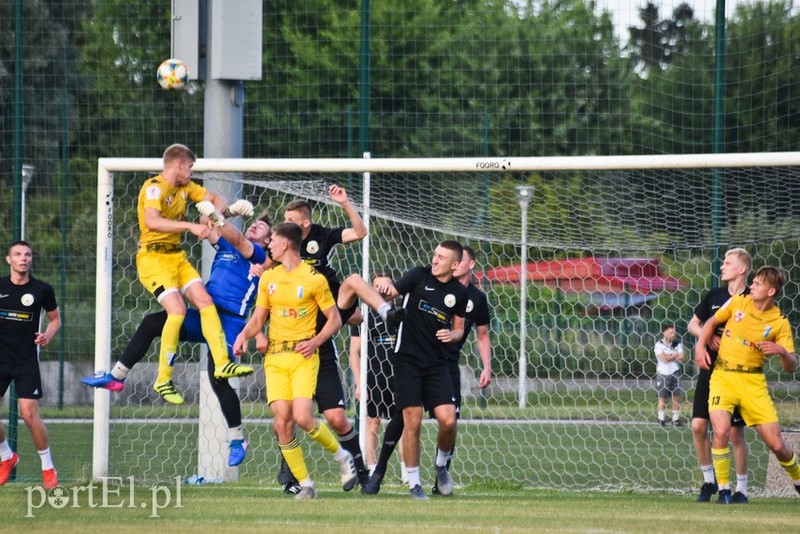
[(290, 295), (669, 354), (23, 299), (734, 270), (755, 328)]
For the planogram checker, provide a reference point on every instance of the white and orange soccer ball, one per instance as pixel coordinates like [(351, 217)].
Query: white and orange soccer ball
[(172, 74)]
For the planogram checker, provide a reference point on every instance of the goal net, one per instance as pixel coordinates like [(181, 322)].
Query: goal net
[(612, 247)]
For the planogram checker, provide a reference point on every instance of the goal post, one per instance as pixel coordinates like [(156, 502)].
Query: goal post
[(615, 246)]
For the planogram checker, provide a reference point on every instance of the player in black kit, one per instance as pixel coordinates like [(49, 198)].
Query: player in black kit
[(23, 299)]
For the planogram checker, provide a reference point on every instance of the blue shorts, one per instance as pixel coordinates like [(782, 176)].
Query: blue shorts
[(232, 324)]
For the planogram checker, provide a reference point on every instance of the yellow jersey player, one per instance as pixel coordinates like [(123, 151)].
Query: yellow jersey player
[(291, 295), (165, 271), (754, 328)]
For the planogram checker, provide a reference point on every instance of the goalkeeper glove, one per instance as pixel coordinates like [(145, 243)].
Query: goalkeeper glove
[(240, 207), (209, 210)]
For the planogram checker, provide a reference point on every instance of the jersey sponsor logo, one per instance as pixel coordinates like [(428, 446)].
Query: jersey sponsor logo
[(13, 315), (741, 341), (427, 307), (153, 192), (293, 313), (312, 247), (738, 316), (27, 299), (3, 295), (429, 288), (470, 305), (715, 307), (450, 300)]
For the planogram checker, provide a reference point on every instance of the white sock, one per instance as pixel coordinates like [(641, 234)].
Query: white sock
[(413, 476), (120, 372), (47, 461), (661, 415), (307, 483), (741, 484), (5, 451), (708, 473), (236, 432), (383, 308), (441, 458), (403, 474), (340, 455), (675, 416)]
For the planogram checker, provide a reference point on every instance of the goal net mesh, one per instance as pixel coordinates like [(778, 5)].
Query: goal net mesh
[(612, 255)]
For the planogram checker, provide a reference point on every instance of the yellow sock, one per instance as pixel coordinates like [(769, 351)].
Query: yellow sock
[(323, 435), (215, 337), (722, 465), (293, 455), (792, 468), (169, 347)]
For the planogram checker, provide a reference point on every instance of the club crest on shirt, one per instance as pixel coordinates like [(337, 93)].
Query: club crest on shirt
[(450, 300), (470, 305), (271, 288), (738, 316), (312, 247), (27, 299), (153, 192)]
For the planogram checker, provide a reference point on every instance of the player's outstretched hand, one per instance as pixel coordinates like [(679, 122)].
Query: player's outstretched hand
[(338, 194), (208, 209), (242, 208)]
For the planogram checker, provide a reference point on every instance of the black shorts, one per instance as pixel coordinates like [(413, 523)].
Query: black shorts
[(421, 383), (668, 385), (27, 379), (700, 400), (380, 402), (330, 393), (347, 313), (455, 380)]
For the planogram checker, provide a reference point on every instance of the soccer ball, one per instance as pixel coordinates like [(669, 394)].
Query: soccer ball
[(172, 74)]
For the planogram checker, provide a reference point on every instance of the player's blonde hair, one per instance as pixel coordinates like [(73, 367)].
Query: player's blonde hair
[(178, 151), (743, 256)]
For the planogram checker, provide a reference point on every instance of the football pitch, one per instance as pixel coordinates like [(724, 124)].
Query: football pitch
[(242, 507), (254, 505)]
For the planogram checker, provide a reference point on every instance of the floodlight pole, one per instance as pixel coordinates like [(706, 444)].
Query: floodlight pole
[(27, 176), (524, 193)]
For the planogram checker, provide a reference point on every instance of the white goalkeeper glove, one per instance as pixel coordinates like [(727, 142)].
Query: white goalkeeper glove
[(240, 207), (209, 210)]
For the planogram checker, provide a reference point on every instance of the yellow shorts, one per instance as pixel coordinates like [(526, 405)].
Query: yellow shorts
[(160, 272), (290, 376), (747, 391)]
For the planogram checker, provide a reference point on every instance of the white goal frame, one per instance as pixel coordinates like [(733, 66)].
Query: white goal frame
[(106, 168)]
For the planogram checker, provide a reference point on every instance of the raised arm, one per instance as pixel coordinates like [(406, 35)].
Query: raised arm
[(358, 229)]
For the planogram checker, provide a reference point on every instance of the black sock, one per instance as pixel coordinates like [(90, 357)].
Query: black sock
[(393, 433), (349, 443)]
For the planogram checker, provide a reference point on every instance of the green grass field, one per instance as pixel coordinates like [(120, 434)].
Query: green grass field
[(239, 508), (576, 455)]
